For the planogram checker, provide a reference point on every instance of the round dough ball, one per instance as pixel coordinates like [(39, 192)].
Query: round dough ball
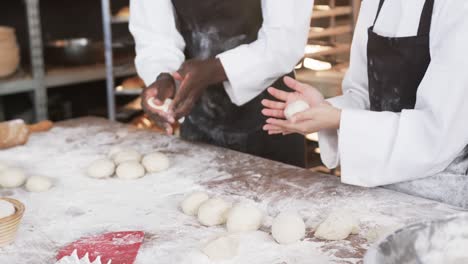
[(155, 162), (3, 166), (337, 226), (244, 217), (102, 168), (213, 212), (191, 203), (127, 155), (12, 178), (38, 184), (222, 248), (294, 108), (114, 151), (6, 209), (130, 170), (288, 228)]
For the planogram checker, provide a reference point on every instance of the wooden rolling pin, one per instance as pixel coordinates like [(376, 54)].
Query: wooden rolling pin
[(16, 132)]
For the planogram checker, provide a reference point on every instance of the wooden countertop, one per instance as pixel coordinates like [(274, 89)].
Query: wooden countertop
[(78, 206)]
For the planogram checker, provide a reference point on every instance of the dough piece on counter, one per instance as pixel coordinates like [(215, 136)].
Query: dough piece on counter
[(294, 108), (114, 151), (380, 232), (12, 178), (3, 166), (213, 212), (191, 203), (6, 209), (127, 155), (38, 184), (244, 217), (288, 228), (337, 226), (130, 170), (222, 248), (155, 162), (102, 168)]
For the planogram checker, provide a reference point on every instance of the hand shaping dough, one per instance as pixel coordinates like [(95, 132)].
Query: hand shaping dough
[(222, 248), (288, 228), (6, 209), (294, 108), (337, 226), (127, 155), (130, 170), (192, 203), (213, 212), (155, 162), (38, 184), (12, 178), (244, 217), (102, 168)]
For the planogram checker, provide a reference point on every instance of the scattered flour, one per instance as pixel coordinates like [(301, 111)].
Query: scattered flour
[(79, 206)]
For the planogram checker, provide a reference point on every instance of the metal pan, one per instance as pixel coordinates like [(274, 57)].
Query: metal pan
[(74, 52)]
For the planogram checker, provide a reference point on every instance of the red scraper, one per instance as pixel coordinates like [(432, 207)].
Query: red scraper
[(117, 247)]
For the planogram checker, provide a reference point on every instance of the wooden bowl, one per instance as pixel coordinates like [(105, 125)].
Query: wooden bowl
[(9, 61), (7, 34), (9, 225)]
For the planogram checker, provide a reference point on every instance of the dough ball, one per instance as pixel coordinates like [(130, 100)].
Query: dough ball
[(114, 151), (3, 166), (38, 184), (294, 108), (213, 212), (380, 232), (288, 228), (337, 226), (191, 203), (102, 168), (155, 162), (12, 178), (164, 107), (127, 155), (130, 170), (244, 217), (6, 209), (222, 248)]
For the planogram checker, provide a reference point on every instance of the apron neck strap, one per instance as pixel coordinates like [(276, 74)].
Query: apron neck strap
[(424, 22), (378, 11), (426, 18)]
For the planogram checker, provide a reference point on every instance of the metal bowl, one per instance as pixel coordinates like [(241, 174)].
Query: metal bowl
[(440, 241), (73, 52)]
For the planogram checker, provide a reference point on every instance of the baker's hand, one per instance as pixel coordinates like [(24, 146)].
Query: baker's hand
[(195, 76), (157, 93), (320, 117), (301, 92)]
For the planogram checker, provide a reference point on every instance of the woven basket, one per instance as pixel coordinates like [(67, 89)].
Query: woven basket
[(9, 225)]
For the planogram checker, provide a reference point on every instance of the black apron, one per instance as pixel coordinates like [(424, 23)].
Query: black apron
[(210, 27), (396, 67)]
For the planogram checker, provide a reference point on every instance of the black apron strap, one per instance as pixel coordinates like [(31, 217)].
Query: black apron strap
[(426, 18), (378, 11)]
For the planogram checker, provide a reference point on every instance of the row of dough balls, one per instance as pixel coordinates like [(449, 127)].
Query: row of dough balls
[(11, 177), (127, 164), (287, 228)]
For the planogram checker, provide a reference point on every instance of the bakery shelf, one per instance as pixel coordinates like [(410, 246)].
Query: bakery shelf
[(337, 49), (119, 20), (316, 32), (326, 11), (73, 75), (18, 83)]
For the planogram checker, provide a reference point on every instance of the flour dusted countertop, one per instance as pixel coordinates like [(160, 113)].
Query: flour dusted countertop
[(80, 206)]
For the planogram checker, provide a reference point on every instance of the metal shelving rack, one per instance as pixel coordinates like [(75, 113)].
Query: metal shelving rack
[(37, 79)]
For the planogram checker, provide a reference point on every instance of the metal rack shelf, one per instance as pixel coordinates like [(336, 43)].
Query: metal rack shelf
[(19, 83), (326, 11)]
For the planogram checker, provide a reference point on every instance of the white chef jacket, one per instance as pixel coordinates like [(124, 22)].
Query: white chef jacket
[(250, 68), (379, 148)]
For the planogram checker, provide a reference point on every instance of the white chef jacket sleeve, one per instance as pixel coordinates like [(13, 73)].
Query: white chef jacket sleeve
[(159, 45), (251, 68), (379, 148), (354, 86)]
